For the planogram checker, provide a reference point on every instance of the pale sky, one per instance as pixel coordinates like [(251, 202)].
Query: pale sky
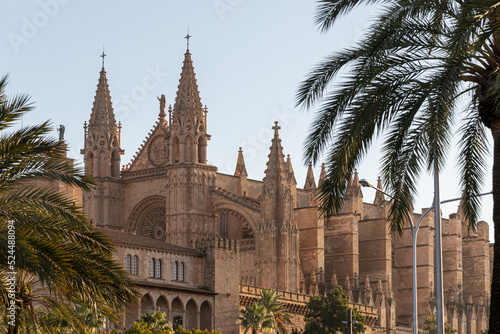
[(249, 58)]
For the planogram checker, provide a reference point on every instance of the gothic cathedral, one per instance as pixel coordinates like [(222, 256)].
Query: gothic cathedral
[(201, 244)]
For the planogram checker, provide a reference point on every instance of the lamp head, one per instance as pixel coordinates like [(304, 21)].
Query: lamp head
[(365, 183)]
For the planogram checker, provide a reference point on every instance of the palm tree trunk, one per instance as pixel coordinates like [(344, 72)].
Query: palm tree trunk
[(494, 326)]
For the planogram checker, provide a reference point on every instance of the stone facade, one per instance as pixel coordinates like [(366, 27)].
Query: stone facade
[(200, 243)]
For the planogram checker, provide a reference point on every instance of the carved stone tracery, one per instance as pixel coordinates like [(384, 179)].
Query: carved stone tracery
[(153, 224), (158, 151)]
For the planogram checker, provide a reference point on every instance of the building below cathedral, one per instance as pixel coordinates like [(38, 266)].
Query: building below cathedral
[(200, 244)]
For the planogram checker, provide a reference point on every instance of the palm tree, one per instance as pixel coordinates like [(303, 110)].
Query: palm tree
[(156, 321), (256, 318), (408, 78), (53, 239), (278, 310)]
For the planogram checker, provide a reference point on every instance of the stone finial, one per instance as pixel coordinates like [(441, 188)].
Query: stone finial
[(356, 281), (313, 287), (348, 289), (367, 293), (310, 182), (322, 175), (335, 283), (353, 186), (347, 283), (367, 283), (313, 276), (321, 274), (291, 175), (452, 296), (379, 196), (469, 300), (379, 284), (241, 170)]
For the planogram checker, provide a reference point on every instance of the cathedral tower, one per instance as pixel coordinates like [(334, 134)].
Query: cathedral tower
[(189, 214), (102, 158), (277, 237)]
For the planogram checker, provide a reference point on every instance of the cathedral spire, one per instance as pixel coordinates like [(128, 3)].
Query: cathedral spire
[(276, 171), (188, 97), (102, 115), (322, 176), (102, 135), (310, 183), (188, 136), (240, 165), (353, 186), (291, 174), (379, 196)]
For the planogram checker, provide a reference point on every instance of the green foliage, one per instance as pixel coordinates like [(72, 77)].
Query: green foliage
[(423, 72), (156, 323), (406, 80), (180, 330), (325, 314), (278, 310), (430, 324), (256, 318), (266, 315), (151, 323), (59, 257), (61, 319)]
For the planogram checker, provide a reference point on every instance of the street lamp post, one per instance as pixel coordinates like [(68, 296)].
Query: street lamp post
[(414, 233), (349, 321)]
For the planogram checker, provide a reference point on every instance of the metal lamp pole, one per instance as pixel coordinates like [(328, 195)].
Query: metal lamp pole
[(349, 321), (414, 233)]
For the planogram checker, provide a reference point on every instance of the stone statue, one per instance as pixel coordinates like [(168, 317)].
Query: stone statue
[(61, 129), (162, 103)]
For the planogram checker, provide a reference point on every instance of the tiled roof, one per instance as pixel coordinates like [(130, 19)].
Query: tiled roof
[(124, 238)]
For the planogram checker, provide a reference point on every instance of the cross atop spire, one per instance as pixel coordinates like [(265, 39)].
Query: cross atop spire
[(102, 56), (187, 37), (276, 127)]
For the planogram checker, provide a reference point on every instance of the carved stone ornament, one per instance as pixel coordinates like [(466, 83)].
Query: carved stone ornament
[(158, 151), (153, 224)]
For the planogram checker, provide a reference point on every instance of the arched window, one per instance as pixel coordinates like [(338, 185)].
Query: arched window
[(127, 263), (89, 164), (202, 151), (152, 268), (223, 224), (176, 151), (175, 271), (134, 265), (181, 271), (158, 268)]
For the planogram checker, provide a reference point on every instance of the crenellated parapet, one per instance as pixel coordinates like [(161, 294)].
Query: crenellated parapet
[(216, 243), (296, 303)]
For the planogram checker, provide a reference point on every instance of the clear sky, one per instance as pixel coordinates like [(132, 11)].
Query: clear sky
[(249, 57)]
